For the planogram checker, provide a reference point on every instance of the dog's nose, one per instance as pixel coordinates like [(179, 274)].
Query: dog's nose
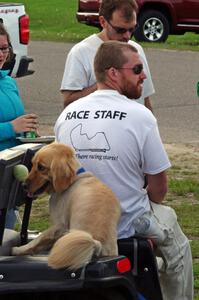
[(26, 187)]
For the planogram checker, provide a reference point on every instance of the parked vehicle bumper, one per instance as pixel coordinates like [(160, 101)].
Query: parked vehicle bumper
[(23, 69)]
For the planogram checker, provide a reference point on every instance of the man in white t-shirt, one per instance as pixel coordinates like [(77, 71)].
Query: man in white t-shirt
[(118, 20), (117, 139)]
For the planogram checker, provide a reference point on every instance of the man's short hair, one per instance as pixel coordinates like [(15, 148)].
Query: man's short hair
[(128, 7), (110, 54)]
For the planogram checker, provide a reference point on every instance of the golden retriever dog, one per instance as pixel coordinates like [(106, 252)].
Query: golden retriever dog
[(84, 211)]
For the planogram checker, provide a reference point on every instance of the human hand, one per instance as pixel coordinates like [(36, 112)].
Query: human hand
[(28, 122)]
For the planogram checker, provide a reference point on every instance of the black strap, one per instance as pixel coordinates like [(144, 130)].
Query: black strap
[(25, 220)]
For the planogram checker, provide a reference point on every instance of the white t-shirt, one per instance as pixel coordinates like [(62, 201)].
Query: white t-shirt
[(79, 70), (117, 140)]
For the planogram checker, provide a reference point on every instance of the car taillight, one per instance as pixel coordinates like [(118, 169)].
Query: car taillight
[(123, 265), (24, 29)]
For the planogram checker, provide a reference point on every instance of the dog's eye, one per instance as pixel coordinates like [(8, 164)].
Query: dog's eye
[(41, 168)]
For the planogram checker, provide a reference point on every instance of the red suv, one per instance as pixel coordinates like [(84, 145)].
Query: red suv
[(156, 18)]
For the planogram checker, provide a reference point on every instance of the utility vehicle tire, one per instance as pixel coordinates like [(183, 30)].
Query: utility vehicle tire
[(153, 26)]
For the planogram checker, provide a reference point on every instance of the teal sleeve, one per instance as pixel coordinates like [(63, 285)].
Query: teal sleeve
[(6, 131)]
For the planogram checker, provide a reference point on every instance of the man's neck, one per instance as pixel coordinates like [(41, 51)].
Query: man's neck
[(108, 86), (103, 36)]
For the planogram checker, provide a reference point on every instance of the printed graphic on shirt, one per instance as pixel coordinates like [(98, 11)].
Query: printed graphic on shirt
[(79, 138), (97, 156), (99, 114), (96, 143)]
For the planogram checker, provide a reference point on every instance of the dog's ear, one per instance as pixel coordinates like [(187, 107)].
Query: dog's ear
[(63, 172)]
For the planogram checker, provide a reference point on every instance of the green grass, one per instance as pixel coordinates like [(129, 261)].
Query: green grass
[(186, 187), (183, 196), (188, 41), (55, 20), (188, 219)]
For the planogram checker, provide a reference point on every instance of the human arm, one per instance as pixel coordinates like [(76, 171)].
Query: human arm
[(155, 163), (9, 129), (78, 78), (12, 111), (25, 123), (21, 124), (71, 96), (157, 187)]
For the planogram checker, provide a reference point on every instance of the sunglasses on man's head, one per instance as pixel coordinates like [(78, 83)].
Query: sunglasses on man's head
[(121, 30), (137, 69)]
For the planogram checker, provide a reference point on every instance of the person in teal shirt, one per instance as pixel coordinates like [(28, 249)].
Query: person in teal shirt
[(11, 108), (13, 120)]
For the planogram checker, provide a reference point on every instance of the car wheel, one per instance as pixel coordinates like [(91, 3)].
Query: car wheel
[(153, 26)]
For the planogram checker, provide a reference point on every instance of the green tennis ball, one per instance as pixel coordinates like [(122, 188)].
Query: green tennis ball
[(20, 172)]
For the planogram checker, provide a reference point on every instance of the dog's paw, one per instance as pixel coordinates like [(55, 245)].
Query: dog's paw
[(15, 251), (20, 250)]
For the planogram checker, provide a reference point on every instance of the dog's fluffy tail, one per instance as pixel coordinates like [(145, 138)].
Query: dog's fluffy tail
[(73, 250)]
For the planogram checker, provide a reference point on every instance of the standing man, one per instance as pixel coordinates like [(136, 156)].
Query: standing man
[(118, 140), (118, 20)]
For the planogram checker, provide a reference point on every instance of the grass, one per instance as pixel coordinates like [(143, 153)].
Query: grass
[(182, 187), (183, 196), (55, 20)]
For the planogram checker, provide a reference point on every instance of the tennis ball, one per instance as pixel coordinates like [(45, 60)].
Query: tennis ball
[(20, 172)]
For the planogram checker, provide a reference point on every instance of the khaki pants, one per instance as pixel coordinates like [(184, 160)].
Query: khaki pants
[(176, 271)]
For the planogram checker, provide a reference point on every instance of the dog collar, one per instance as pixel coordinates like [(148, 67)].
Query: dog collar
[(80, 170)]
